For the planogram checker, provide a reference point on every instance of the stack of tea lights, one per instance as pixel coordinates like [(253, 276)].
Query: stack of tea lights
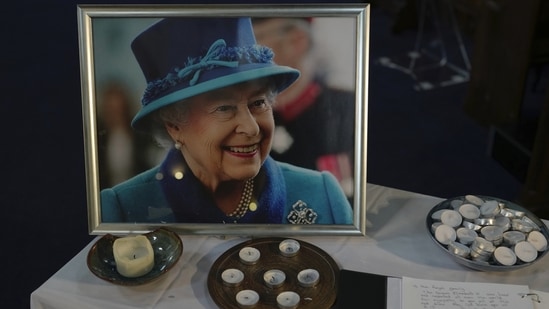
[(487, 231)]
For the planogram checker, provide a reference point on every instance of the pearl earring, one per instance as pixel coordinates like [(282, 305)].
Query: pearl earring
[(177, 145)]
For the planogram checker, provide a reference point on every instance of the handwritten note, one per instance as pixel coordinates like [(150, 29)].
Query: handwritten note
[(432, 294)]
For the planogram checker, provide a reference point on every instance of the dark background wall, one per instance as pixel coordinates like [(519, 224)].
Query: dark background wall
[(43, 192), (417, 141)]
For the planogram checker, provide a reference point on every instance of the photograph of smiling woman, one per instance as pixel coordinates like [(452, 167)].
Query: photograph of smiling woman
[(209, 100)]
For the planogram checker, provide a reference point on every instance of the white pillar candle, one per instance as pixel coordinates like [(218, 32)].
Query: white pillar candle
[(288, 300), (133, 255), (289, 247), (247, 298), (249, 255), (274, 278)]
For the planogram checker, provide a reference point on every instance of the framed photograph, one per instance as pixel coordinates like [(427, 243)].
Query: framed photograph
[(225, 119)]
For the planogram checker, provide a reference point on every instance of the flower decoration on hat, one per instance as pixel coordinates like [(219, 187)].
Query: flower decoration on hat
[(218, 55)]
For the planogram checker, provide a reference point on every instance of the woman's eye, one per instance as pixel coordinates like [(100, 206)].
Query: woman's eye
[(259, 104), (224, 108)]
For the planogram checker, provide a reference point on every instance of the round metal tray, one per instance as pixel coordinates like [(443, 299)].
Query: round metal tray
[(322, 295), (489, 266)]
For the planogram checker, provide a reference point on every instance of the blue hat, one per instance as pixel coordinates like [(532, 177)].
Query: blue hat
[(184, 57)]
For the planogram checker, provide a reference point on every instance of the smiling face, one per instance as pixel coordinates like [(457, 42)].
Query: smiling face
[(227, 133)]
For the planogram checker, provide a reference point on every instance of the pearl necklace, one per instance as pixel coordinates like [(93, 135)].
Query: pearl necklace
[(245, 200)]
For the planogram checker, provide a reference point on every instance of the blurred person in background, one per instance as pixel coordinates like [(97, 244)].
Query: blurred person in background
[(315, 121), (121, 150)]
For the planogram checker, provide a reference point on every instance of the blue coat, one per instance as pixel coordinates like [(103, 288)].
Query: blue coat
[(287, 194)]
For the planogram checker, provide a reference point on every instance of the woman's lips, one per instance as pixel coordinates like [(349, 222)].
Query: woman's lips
[(251, 149)]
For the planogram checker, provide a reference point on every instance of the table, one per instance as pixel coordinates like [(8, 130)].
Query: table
[(397, 244)]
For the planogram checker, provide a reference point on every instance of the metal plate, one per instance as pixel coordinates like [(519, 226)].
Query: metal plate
[(490, 265), (322, 295)]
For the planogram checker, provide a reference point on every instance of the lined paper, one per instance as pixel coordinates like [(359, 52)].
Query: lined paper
[(433, 294)]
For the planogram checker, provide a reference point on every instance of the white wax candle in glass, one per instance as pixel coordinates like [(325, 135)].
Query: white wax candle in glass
[(249, 255), (288, 300), (133, 255), (289, 247), (274, 278)]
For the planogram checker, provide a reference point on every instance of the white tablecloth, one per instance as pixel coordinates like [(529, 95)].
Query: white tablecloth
[(397, 244)]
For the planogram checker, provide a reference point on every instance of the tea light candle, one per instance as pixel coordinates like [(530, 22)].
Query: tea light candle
[(525, 251), (247, 298), (452, 218), (538, 240), (289, 247), (469, 212), (308, 277), (436, 215), (511, 213), (465, 235), (521, 226), (505, 256), (274, 278), (456, 203), (232, 276), (445, 234), (530, 222), (474, 199), (249, 255), (472, 226), (459, 249), (133, 255), (503, 222), (287, 300), (489, 209), (434, 226)]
